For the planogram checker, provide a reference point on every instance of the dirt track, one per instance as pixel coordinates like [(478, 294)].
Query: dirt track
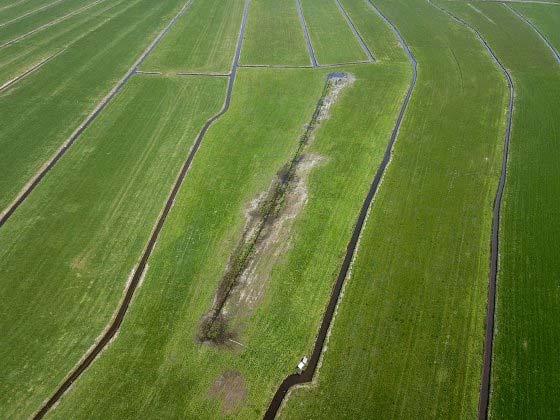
[(139, 272), (484, 397), (308, 374), (37, 178)]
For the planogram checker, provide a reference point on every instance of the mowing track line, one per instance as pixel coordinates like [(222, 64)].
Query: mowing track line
[(355, 31), (30, 186), (484, 397), (9, 6), (537, 30), (22, 76), (308, 374), (310, 49), (46, 6), (27, 72), (139, 272), (51, 23)]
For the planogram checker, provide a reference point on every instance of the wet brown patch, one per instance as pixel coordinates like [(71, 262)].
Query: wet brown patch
[(268, 226), (230, 390)]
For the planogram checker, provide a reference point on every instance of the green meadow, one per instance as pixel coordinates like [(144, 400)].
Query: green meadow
[(42, 111), (203, 39), (527, 332), (407, 339), (249, 144), (22, 24), (84, 230), (19, 57), (275, 35), (243, 248), (545, 17), (331, 36)]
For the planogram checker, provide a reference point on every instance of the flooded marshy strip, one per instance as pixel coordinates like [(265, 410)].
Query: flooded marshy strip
[(265, 236)]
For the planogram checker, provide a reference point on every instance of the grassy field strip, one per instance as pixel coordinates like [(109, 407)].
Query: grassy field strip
[(546, 19), (18, 30), (204, 39), (275, 35), (319, 347), (355, 31), (85, 228), (23, 56), (555, 32), (333, 40), (383, 43), (38, 176), (26, 73), (139, 271), (250, 143), (408, 332), (49, 24), (527, 307), (4, 6), (15, 17), (484, 399)]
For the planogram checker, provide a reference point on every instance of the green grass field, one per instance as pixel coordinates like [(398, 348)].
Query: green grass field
[(203, 40), (102, 201), (43, 110), (18, 9), (248, 145), (274, 34), (528, 311), (407, 339), (331, 36), (279, 152), (383, 42), (545, 17), (16, 58), (20, 26)]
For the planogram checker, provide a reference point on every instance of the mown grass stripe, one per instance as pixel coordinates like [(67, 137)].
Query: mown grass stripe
[(15, 19), (26, 73), (49, 24)]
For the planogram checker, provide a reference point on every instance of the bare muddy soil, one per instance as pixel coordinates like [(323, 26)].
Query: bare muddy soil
[(230, 390)]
